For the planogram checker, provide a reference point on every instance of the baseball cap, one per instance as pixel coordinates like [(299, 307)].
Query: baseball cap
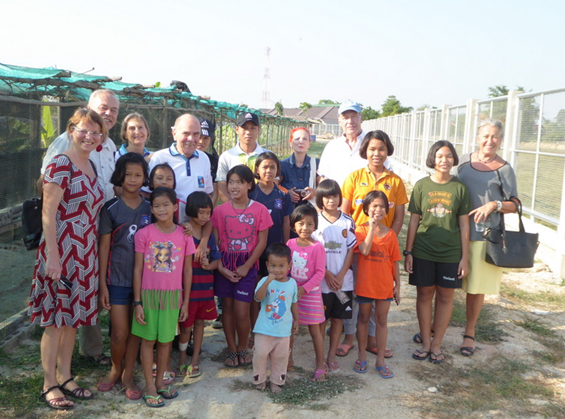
[(242, 118), (349, 105), (206, 127)]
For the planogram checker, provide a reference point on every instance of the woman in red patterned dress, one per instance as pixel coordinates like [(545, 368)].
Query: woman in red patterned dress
[(64, 291)]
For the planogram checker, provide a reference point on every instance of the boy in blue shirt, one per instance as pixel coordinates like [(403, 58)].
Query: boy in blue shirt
[(278, 318)]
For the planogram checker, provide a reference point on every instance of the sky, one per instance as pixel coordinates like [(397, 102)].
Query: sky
[(431, 52)]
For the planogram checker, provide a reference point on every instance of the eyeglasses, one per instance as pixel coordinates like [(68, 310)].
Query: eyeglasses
[(87, 133)]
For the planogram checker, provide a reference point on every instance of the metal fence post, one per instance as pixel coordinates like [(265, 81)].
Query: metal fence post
[(510, 127), (470, 123)]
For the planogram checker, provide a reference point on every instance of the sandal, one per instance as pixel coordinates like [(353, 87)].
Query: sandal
[(385, 372), (320, 375), (360, 367), (417, 338), (103, 387), (102, 360), (232, 356), (166, 393), (333, 366), (77, 393), (434, 358), (161, 403), (242, 355), (388, 352), (56, 402), (182, 370), (133, 394), (467, 350), (420, 355), (193, 371), (343, 349)]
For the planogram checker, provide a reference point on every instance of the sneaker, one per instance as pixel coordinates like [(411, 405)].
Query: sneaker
[(217, 324)]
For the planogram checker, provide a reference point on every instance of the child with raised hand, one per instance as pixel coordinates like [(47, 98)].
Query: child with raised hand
[(378, 278), (278, 318), (241, 224), (308, 270), (267, 168), (437, 246), (336, 232), (202, 306), (121, 218), (163, 267)]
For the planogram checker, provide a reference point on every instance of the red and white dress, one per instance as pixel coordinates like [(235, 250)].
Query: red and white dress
[(50, 302)]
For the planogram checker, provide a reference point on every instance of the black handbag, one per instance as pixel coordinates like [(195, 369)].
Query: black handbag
[(511, 249), (31, 222)]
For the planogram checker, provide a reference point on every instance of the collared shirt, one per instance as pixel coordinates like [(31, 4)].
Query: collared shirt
[(235, 156), (339, 160), (103, 160), (123, 150), (359, 183), (192, 173), (294, 176)]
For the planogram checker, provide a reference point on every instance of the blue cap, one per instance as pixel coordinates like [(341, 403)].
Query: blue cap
[(349, 105)]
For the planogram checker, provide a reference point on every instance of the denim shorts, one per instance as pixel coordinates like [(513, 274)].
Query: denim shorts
[(367, 300), (120, 296)]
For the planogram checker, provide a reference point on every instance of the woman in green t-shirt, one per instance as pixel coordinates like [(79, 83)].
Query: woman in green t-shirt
[(437, 246)]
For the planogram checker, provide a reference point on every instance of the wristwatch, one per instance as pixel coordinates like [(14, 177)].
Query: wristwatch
[(498, 206), (407, 252), (136, 303)]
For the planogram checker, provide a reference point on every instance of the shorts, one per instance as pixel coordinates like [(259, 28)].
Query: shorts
[(200, 310), (427, 273), (120, 296), (335, 309), (161, 325), (367, 300), (483, 278), (241, 291)]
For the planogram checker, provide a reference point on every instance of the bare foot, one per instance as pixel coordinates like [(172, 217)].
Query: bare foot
[(261, 386), (275, 388)]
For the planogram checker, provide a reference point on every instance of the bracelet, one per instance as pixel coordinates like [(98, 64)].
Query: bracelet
[(136, 303)]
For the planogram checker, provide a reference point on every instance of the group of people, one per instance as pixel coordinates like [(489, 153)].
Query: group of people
[(293, 242)]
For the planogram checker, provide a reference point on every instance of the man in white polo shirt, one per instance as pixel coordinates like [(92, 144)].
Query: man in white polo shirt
[(245, 151), (191, 167), (341, 155)]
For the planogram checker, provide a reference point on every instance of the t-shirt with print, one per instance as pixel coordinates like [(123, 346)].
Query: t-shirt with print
[(438, 237), (337, 238), (238, 231), (279, 206), (275, 315), (359, 183), (122, 222), (163, 263), (202, 288), (375, 276)]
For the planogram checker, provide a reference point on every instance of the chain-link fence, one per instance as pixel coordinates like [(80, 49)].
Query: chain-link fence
[(534, 145)]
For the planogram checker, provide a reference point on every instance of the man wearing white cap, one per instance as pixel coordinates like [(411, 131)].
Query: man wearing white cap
[(341, 155)]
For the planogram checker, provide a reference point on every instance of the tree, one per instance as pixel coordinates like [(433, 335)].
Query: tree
[(279, 108), (392, 106), (305, 106), (370, 113), (328, 102), (426, 106), (502, 90)]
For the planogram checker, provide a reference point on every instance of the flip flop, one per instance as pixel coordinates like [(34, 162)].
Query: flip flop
[(467, 350), (242, 355), (319, 374), (103, 387), (160, 404), (388, 352), (434, 358), (417, 338), (360, 367), (133, 394), (343, 349), (385, 372), (193, 371), (166, 393), (420, 355), (333, 366), (232, 356)]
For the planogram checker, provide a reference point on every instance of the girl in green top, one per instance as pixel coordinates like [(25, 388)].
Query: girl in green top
[(437, 246)]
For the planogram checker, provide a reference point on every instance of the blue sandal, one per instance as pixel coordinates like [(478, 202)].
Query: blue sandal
[(360, 367)]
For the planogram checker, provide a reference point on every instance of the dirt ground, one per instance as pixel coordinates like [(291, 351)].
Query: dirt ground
[(223, 393)]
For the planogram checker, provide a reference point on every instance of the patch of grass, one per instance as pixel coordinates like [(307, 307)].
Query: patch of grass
[(552, 299), (535, 326), (487, 330), (316, 149), (498, 384), (19, 395), (555, 352)]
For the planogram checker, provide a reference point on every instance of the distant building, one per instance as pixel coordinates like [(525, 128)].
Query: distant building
[(317, 114)]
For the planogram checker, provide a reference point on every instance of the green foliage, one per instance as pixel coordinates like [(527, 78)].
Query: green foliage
[(370, 113), (328, 102), (425, 106), (279, 108), (392, 106), (305, 106), (502, 90)]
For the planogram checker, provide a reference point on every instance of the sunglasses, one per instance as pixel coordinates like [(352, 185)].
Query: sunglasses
[(68, 284)]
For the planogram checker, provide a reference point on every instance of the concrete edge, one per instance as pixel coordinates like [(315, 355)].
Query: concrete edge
[(15, 329)]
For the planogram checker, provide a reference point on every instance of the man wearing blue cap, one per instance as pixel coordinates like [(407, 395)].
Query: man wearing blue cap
[(341, 155)]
